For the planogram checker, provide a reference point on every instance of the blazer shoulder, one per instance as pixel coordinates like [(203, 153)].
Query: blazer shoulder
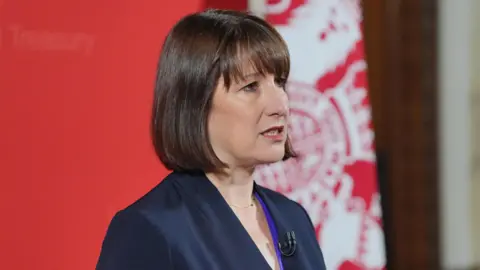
[(165, 204), (164, 196), (137, 236), (133, 242)]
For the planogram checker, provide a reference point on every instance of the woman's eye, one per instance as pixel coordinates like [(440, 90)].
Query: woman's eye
[(252, 87)]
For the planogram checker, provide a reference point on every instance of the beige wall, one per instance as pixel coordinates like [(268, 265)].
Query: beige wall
[(459, 169), (476, 132)]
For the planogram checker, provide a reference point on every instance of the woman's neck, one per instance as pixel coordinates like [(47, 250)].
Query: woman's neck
[(235, 185)]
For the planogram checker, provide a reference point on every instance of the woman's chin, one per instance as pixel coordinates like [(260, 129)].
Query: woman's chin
[(271, 157)]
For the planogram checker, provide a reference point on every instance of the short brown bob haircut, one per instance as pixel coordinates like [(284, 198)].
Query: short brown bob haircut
[(197, 51)]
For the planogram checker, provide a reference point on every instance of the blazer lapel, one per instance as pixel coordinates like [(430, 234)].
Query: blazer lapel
[(283, 226)]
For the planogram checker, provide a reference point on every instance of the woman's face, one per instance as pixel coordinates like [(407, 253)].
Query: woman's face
[(248, 121)]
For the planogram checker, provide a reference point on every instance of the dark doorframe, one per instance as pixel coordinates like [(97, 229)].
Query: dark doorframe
[(401, 49)]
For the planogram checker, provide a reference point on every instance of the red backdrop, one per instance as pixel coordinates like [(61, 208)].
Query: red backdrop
[(76, 81)]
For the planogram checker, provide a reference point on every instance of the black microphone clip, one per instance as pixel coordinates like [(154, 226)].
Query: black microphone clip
[(288, 247)]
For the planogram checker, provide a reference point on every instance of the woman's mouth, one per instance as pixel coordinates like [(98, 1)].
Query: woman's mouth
[(275, 133)]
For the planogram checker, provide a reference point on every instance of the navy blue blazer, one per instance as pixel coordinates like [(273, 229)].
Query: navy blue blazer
[(184, 223)]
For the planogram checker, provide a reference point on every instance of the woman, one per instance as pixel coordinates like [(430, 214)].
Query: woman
[(220, 109)]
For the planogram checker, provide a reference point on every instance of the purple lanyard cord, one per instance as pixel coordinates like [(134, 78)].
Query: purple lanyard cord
[(273, 230)]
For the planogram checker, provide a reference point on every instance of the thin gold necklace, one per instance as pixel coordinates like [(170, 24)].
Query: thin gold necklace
[(244, 207)]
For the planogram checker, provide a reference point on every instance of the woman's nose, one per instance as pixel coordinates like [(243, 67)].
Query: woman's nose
[(277, 102)]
